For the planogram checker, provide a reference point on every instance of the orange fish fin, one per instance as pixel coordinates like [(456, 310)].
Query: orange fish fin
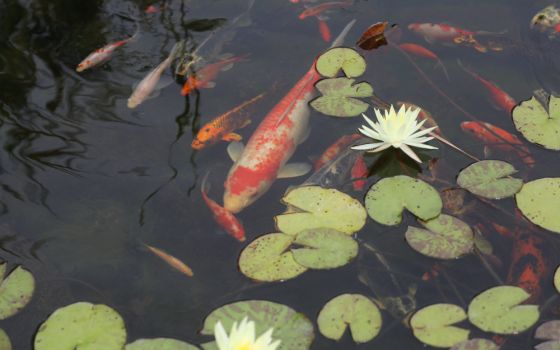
[(208, 85), (232, 137)]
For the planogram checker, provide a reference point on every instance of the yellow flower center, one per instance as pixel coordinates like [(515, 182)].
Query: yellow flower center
[(244, 346)]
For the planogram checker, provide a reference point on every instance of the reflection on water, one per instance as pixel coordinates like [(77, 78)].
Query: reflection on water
[(85, 182)]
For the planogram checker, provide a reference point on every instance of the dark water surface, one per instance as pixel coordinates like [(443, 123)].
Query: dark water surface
[(84, 181)]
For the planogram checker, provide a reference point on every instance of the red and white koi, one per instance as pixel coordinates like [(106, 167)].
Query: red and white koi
[(273, 143), (318, 11), (438, 32), (421, 51), (103, 54), (204, 77), (222, 216)]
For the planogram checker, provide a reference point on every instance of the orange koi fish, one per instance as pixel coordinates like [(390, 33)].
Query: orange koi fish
[(421, 51), (154, 9), (222, 127), (204, 77), (317, 10), (222, 216), (499, 138), (359, 173), (324, 30), (499, 97), (171, 261), (103, 54), (335, 149)]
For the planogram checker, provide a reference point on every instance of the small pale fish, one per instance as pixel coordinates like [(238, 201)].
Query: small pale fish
[(148, 85), (171, 261), (223, 127)]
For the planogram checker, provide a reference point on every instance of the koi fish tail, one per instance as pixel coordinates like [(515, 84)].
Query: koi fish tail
[(440, 64), (340, 38)]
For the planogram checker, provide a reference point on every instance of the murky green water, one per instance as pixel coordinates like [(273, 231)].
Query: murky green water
[(84, 181)]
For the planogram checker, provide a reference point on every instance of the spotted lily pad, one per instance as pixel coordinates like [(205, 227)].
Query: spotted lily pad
[(557, 279), (293, 329), (316, 207), (349, 60), (489, 179), (539, 201), (268, 259), (324, 248), (446, 237), (387, 198), (536, 124), (433, 325), (548, 331), (160, 344), (549, 345), (476, 344), (15, 291), (350, 310), (82, 326), (5, 343), (497, 310), (339, 97)]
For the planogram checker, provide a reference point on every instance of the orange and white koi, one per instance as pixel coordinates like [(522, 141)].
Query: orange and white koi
[(438, 32), (499, 97), (335, 149), (204, 77), (171, 261), (223, 127), (103, 54), (421, 51), (498, 138), (223, 217), (273, 143), (150, 81), (318, 10), (359, 173)]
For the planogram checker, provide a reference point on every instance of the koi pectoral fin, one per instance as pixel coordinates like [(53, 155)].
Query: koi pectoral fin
[(232, 137), (234, 150), (294, 170), (207, 85)]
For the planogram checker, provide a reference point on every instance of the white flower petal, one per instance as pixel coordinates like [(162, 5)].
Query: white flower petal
[(381, 148), (367, 146), (409, 152)]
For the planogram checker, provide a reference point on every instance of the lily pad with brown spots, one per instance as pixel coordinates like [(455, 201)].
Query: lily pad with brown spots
[(340, 97), (539, 201), (16, 290), (476, 344), (349, 60), (490, 179), (160, 344), (434, 325), (537, 124), (324, 248)]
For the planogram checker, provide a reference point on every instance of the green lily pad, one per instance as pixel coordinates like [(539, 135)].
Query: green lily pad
[(536, 124), (446, 237), (316, 207), (82, 326), (15, 291), (5, 343), (476, 344), (293, 329), (557, 279), (339, 97), (433, 325), (387, 198), (489, 179), (160, 344), (548, 331), (353, 310), (481, 243), (324, 248), (268, 259), (539, 201), (497, 310), (549, 345), (349, 60)]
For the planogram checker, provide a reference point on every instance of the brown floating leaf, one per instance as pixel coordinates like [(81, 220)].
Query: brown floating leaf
[(373, 37)]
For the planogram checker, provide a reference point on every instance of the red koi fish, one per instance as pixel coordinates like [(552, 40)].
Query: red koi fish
[(438, 32), (498, 138), (334, 150), (359, 173), (103, 54), (499, 97), (421, 51), (324, 30), (222, 216), (273, 143), (154, 9), (204, 77), (318, 10)]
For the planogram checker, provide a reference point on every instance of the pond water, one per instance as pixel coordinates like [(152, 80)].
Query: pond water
[(86, 181)]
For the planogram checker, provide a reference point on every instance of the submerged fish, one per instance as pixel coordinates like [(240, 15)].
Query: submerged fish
[(335, 149), (222, 216), (320, 9), (438, 32), (421, 51), (204, 78), (359, 173), (547, 21), (272, 144), (148, 85), (171, 260), (223, 127)]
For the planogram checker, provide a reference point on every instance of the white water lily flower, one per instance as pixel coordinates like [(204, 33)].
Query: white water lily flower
[(242, 337), (400, 130)]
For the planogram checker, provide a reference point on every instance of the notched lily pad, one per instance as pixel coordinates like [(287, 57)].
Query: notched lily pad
[(324, 248), (476, 344), (160, 344), (5, 343), (489, 179), (433, 325), (445, 237), (82, 326), (539, 201), (268, 259), (294, 330), (536, 124), (349, 60), (497, 310), (353, 310), (317, 207), (339, 97), (387, 198), (15, 291)]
